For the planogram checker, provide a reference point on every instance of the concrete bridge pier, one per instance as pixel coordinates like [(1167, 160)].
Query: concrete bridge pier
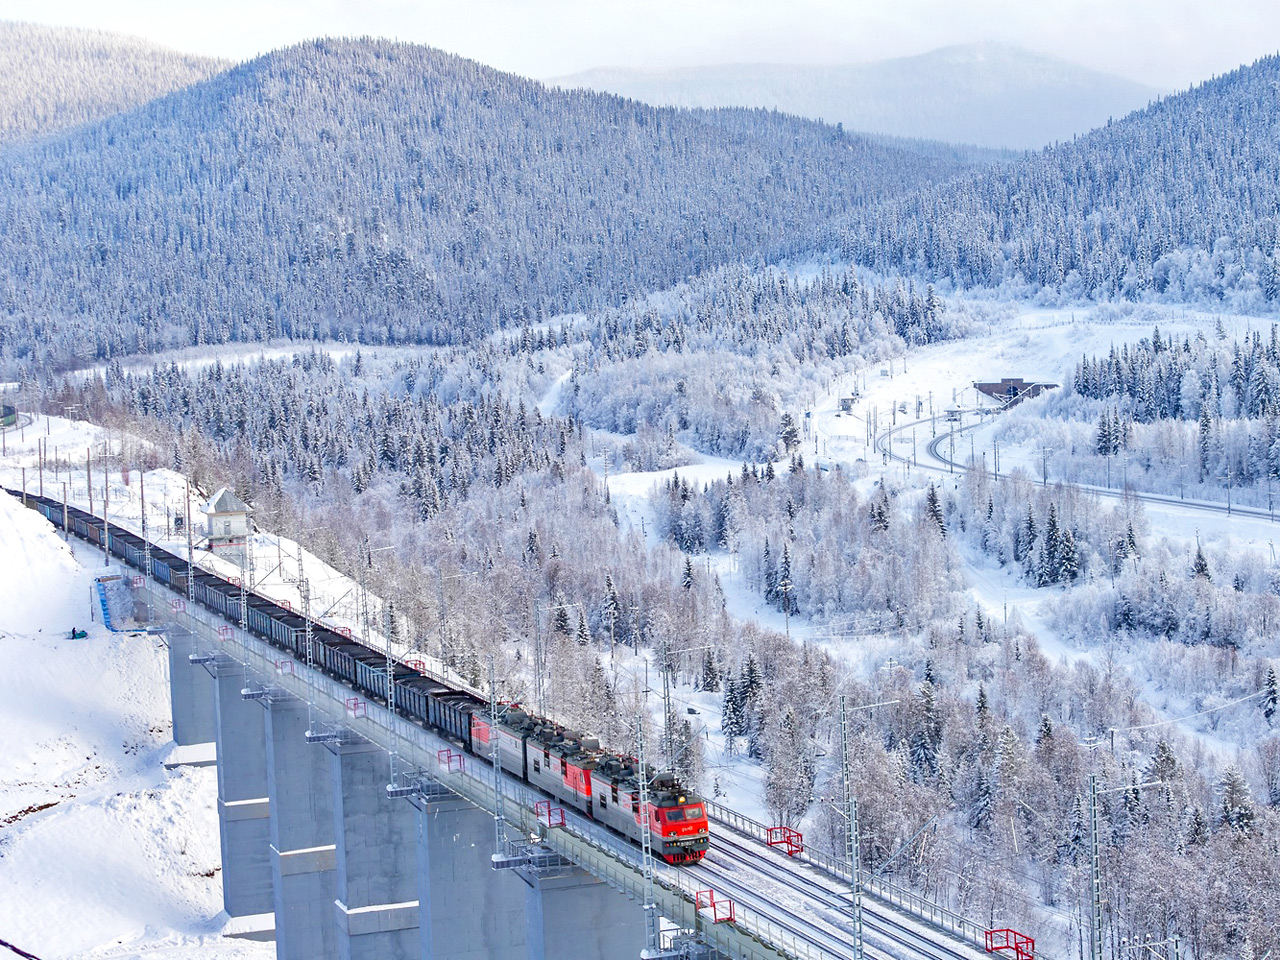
[(468, 910), (570, 915), (190, 691), (243, 807), (376, 897), (302, 849)]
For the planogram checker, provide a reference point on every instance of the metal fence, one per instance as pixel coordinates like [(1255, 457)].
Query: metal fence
[(890, 893)]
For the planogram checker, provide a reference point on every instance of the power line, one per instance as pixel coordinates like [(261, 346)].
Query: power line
[(1191, 716)]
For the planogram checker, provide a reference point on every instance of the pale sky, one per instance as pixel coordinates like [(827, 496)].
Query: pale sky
[(1164, 43)]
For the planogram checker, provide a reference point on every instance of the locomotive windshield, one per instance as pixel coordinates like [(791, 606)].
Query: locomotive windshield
[(677, 814)]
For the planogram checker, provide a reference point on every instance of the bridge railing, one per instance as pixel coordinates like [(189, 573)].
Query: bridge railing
[(908, 900)]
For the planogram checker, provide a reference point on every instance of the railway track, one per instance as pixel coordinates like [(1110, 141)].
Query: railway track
[(821, 899), (934, 450)]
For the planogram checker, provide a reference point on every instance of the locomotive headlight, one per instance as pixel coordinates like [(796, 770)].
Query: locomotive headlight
[(681, 800)]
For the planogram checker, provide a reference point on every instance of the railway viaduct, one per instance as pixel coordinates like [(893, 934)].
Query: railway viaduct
[(348, 832)]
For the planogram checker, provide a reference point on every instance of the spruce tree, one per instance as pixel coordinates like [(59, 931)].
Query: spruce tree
[(1237, 811), (1200, 566), (934, 510)]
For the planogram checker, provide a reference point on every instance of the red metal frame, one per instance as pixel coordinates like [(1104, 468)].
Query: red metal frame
[(234, 581), (178, 605), (356, 706), (791, 841), (345, 631), (137, 582), (419, 665), (1023, 947), (548, 815), (224, 633), (284, 603), (721, 909), (452, 762), (284, 666)]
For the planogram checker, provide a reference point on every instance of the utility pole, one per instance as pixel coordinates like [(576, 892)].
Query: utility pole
[(191, 550), (1095, 873), (495, 754), (539, 690), (146, 541), (106, 524), (646, 844), (851, 835), (440, 612), (667, 733)]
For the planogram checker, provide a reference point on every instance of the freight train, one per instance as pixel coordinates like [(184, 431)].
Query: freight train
[(565, 764)]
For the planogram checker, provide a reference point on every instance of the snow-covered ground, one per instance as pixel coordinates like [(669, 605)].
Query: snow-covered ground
[(103, 852)]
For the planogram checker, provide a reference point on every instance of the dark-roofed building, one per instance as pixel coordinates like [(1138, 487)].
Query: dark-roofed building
[(1013, 390)]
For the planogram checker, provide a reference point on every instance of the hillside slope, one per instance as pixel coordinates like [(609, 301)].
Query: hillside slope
[(92, 826), (58, 77), (986, 94), (1180, 201), (389, 193)]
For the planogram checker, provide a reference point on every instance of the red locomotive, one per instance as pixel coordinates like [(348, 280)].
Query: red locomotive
[(604, 786)]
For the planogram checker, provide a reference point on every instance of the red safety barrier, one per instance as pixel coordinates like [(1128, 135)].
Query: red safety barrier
[(284, 666), (234, 581), (718, 909), (791, 841), (224, 633), (356, 706), (1023, 947), (138, 581), (287, 605), (178, 606), (548, 815), (452, 762), (419, 665), (345, 631)]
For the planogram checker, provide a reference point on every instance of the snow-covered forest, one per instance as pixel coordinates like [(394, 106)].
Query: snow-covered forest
[(1176, 202), (57, 78), (387, 193)]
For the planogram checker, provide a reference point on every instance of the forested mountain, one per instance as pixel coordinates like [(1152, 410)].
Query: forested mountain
[(988, 94), (392, 193), (1180, 202), (58, 77)]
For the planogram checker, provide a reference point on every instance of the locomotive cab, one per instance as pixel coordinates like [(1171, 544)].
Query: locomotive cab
[(677, 818), (681, 821)]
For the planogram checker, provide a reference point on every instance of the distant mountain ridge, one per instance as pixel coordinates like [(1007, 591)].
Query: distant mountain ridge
[(59, 77), (386, 192), (987, 94), (1179, 202)]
